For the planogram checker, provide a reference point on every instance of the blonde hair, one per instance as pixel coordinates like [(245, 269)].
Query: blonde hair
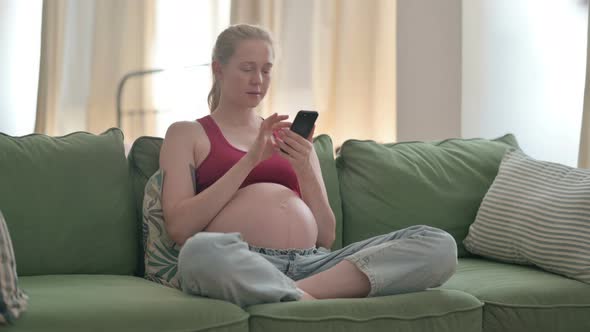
[(225, 47)]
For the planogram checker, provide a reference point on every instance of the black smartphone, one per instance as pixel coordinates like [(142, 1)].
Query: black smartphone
[(304, 122)]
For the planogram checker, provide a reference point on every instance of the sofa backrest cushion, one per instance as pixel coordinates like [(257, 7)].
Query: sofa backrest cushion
[(144, 162), (68, 203), (387, 187)]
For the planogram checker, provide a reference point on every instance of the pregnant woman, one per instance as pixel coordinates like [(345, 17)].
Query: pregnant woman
[(253, 221)]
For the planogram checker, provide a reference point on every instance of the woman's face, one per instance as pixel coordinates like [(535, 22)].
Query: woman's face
[(246, 77)]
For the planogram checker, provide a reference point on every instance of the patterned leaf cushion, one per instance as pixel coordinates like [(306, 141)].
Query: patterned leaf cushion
[(161, 253), (12, 299), (536, 213)]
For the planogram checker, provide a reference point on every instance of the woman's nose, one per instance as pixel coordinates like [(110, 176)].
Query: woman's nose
[(256, 78)]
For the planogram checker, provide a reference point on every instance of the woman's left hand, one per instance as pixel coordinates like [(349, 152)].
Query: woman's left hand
[(297, 150)]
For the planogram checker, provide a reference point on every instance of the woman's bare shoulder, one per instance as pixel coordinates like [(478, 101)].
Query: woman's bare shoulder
[(183, 132), (184, 129), (184, 137)]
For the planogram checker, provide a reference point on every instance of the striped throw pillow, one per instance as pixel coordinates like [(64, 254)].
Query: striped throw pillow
[(12, 299), (536, 213)]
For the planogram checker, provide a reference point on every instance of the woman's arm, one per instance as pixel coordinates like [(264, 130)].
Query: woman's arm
[(314, 194), (302, 156), (186, 213)]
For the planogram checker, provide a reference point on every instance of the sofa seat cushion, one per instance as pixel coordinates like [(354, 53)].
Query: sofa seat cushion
[(431, 310), (120, 303), (523, 298)]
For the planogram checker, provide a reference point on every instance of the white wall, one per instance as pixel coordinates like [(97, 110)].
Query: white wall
[(429, 69), (20, 41), (523, 72)]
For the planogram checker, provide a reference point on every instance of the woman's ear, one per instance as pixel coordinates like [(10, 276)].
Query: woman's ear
[(216, 67)]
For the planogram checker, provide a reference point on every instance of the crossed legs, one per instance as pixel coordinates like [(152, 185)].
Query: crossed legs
[(220, 265), (341, 281)]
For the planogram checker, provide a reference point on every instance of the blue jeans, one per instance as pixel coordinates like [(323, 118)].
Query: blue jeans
[(222, 266)]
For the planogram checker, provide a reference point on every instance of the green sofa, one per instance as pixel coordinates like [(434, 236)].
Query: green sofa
[(73, 208)]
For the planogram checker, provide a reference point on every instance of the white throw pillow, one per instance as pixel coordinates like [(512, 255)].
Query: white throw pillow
[(536, 213)]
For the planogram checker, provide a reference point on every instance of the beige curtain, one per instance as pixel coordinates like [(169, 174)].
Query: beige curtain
[(87, 47), (50, 70), (123, 36), (354, 69), (268, 14), (584, 155)]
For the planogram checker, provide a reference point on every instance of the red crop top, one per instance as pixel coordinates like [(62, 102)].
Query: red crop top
[(222, 156)]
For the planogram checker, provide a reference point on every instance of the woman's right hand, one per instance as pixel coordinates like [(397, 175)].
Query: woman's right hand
[(265, 146)]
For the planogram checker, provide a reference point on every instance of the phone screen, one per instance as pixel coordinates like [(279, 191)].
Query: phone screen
[(304, 122)]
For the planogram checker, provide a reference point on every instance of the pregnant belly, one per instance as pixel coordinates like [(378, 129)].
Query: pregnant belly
[(268, 215)]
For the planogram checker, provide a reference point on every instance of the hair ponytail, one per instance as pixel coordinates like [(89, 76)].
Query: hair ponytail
[(214, 95)]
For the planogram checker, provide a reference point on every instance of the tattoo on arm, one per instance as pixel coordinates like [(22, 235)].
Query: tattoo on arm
[(193, 176)]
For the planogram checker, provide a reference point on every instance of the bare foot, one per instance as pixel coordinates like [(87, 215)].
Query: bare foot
[(306, 296)]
